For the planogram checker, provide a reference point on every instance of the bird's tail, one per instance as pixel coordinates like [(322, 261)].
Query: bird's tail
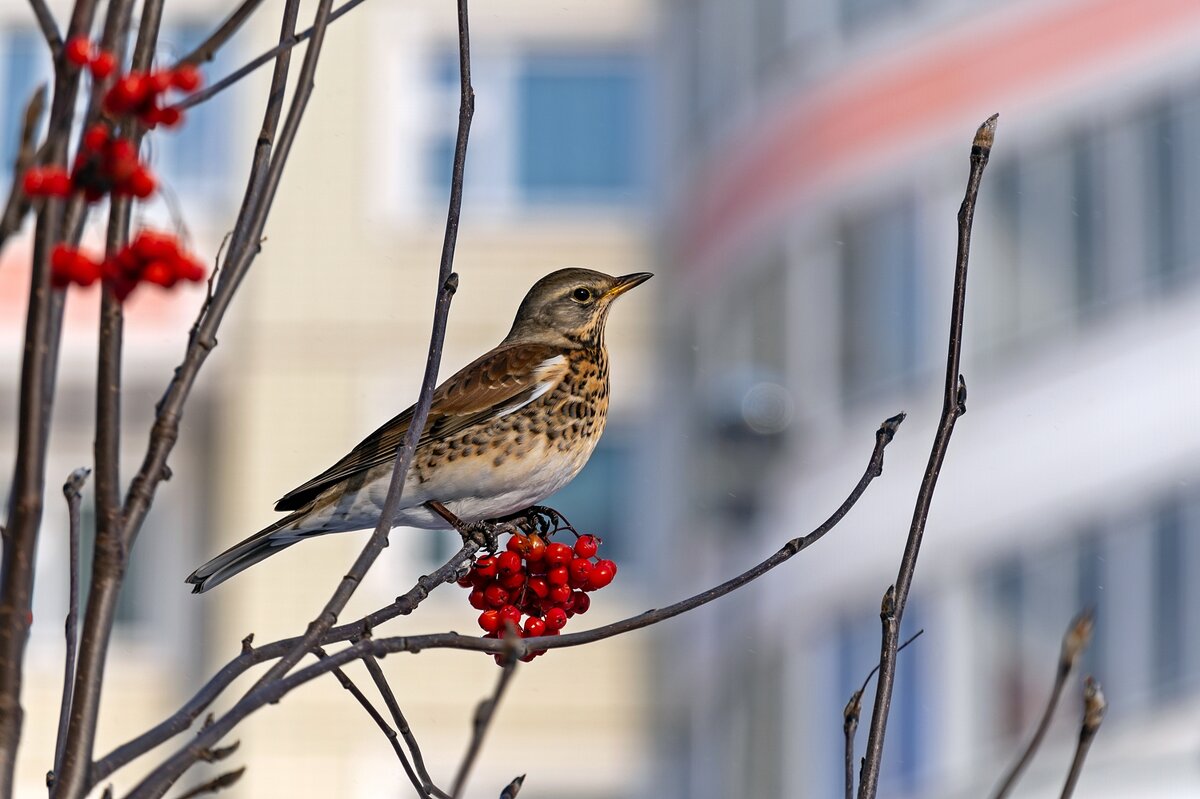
[(261, 545)]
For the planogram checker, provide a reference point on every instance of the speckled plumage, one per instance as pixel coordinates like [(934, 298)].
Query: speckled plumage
[(503, 433)]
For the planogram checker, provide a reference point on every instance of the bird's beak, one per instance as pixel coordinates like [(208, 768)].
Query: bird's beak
[(626, 282)]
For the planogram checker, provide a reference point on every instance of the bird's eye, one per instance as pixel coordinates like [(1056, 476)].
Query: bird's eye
[(581, 295)]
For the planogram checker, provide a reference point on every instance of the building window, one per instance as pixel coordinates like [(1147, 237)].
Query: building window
[(24, 63), (561, 129), (881, 299), (1089, 225)]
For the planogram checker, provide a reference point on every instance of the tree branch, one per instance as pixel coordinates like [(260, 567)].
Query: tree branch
[(284, 46), (49, 28), (380, 722), (251, 656), (207, 49), (38, 369), (1075, 641), (18, 204), (483, 717), (953, 406), (268, 693), (216, 784), (71, 490), (1094, 707), (389, 699), (852, 712)]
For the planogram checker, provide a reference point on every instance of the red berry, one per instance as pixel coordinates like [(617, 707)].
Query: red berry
[(168, 116), (95, 138), (128, 93), (186, 78), (518, 544), (78, 50), (539, 586), (489, 620), (586, 546), (511, 613), (534, 627), (559, 575), (190, 269), (486, 566), (514, 580), (159, 273), (495, 595), (558, 553), (477, 599), (103, 65), (56, 182), (160, 81), (507, 563), (559, 594), (582, 602), (602, 574), (32, 182), (556, 619), (580, 569), (537, 549), (141, 183)]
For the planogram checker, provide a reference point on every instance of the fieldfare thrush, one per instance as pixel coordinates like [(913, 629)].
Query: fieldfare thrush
[(504, 433)]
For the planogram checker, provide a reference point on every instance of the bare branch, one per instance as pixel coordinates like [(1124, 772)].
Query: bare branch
[(49, 28), (513, 788), (1075, 641), (18, 204), (207, 49), (484, 714), (219, 783), (380, 722), (39, 364), (272, 692), (389, 699), (852, 712), (954, 401), (251, 656), (1094, 707), (72, 491), (284, 46)]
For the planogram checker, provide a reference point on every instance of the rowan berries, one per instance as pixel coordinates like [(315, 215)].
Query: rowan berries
[(78, 50), (533, 579)]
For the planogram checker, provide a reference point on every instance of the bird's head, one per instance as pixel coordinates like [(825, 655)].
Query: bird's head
[(571, 304)]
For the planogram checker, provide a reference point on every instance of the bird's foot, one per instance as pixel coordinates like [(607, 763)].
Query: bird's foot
[(538, 519), (485, 534)]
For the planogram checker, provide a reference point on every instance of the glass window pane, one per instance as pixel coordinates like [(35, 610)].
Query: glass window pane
[(579, 124)]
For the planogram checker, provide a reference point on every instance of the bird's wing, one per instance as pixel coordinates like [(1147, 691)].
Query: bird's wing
[(500, 382)]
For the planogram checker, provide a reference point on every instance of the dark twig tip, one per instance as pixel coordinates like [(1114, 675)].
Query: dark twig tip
[(986, 135), (1077, 638), (513, 788), (1094, 706)]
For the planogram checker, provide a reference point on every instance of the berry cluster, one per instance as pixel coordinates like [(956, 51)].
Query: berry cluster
[(535, 585), (103, 165), (152, 257), (81, 52), (140, 94)]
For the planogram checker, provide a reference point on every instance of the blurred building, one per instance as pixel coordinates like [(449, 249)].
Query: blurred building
[(325, 342), (819, 157)]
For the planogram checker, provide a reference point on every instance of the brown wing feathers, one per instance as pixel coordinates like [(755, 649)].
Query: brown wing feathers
[(507, 376)]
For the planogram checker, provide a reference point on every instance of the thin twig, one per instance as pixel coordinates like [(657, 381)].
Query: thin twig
[(39, 363), (216, 784), (380, 722), (207, 49), (71, 490), (109, 552), (250, 656), (1075, 641), (18, 204), (285, 45), (272, 692), (513, 788), (483, 718), (402, 726), (852, 713), (1094, 707), (49, 28), (954, 399)]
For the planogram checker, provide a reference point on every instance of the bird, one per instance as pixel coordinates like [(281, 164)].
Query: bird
[(503, 433)]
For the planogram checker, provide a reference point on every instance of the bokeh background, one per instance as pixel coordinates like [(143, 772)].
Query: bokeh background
[(791, 170)]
